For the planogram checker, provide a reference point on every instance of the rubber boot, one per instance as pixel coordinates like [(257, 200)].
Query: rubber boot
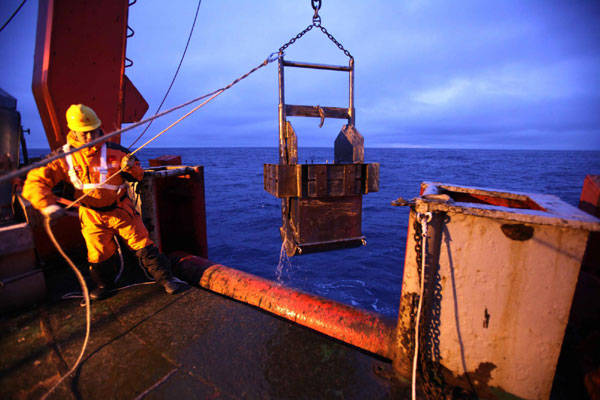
[(103, 274), (159, 267)]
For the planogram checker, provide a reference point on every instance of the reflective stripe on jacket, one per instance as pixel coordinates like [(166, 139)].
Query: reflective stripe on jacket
[(85, 170)]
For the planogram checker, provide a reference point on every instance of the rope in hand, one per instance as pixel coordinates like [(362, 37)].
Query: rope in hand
[(21, 171), (212, 95), (86, 297), (423, 219), (50, 158)]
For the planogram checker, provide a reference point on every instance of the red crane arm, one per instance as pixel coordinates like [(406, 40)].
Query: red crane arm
[(80, 58)]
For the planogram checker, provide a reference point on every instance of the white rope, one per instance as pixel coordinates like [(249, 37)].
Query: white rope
[(76, 295), (214, 94), (86, 296), (101, 184), (16, 173), (423, 219), (122, 262), (21, 171), (157, 384)]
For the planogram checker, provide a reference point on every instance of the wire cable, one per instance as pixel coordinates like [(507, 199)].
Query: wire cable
[(174, 76), (103, 138), (14, 174), (83, 196), (268, 60), (86, 296), (12, 16)]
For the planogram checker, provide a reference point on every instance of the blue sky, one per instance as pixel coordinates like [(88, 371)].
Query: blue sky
[(461, 74)]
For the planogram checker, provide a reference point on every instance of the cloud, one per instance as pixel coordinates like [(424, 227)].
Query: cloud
[(428, 73)]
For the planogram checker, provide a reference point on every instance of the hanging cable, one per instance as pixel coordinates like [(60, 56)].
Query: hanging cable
[(268, 60), (174, 76), (12, 16)]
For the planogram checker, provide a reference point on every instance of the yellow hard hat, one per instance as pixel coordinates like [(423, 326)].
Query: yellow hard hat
[(81, 118)]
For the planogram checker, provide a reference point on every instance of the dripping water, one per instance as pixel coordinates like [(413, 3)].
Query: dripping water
[(284, 264)]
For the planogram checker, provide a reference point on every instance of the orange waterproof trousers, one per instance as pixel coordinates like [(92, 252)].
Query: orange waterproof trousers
[(100, 227)]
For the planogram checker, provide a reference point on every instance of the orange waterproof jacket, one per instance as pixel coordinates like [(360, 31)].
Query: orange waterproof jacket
[(84, 170)]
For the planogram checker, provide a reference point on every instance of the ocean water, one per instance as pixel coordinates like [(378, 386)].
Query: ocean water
[(243, 220)]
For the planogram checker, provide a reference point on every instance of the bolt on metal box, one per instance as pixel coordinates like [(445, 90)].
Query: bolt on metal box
[(500, 274)]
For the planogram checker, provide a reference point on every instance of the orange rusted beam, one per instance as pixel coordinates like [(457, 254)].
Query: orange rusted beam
[(366, 330)]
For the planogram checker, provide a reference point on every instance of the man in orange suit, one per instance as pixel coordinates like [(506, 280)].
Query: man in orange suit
[(107, 210)]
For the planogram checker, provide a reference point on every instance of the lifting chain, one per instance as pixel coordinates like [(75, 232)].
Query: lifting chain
[(418, 237), (432, 381), (431, 385), (316, 5)]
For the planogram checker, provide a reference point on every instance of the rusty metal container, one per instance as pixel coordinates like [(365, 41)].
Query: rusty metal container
[(590, 203), (22, 283), (324, 202), (321, 204), (500, 274), (171, 202), (165, 160)]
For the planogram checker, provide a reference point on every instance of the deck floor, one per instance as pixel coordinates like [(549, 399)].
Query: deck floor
[(195, 344), (200, 345)]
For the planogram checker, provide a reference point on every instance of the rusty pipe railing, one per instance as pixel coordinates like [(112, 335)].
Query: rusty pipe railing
[(366, 330)]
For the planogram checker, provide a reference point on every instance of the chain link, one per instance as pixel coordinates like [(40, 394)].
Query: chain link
[(292, 40), (316, 5), (338, 44), (418, 245), (322, 28), (433, 383)]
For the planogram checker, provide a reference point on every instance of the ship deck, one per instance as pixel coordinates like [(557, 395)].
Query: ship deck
[(198, 344), (195, 344)]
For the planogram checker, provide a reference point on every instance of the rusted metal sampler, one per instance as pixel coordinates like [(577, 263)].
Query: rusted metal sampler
[(321, 204)]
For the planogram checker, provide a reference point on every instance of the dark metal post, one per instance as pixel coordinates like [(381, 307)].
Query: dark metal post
[(24, 146), (283, 159), (351, 119)]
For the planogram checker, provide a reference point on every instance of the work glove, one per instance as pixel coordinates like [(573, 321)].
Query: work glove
[(127, 162), (54, 213)]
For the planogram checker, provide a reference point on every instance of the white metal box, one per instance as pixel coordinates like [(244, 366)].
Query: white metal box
[(499, 280)]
